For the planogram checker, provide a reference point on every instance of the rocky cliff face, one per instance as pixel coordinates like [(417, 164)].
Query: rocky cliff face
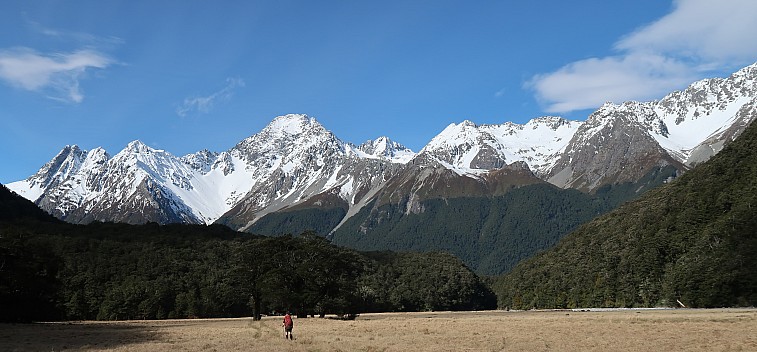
[(612, 146), (621, 142)]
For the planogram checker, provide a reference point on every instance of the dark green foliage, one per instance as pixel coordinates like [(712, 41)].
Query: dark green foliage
[(28, 267), (488, 234), (28, 283), (306, 275), (16, 209), (614, 195), (318, 220), (694, 240), (106, 271), (423, 281)]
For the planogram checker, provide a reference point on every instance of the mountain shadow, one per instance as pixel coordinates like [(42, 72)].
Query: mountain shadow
[(15, 208)]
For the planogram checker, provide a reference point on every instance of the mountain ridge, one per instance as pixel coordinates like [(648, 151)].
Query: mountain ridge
[(295, 158)]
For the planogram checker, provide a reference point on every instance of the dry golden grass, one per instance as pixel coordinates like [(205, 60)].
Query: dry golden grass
[(628, 330)]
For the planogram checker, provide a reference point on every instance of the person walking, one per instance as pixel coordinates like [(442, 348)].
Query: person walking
[(288, 325)]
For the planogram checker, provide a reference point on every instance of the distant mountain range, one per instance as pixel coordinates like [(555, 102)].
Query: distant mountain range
[(295, 175)]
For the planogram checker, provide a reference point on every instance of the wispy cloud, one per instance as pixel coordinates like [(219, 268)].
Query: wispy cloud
[(55, 74), (67, 35), (697, 37), (205, 103)]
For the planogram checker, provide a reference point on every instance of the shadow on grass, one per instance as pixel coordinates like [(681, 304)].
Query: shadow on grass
[(73, 336)]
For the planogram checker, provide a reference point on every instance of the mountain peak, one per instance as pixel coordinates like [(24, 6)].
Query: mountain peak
[(455, 130), (136, 146), (553, 122), (66, 152), (69, 154), (285, 134), (292, 124), (200, 161), (467, 123), (70, 148), (386, 148), (750, 70)]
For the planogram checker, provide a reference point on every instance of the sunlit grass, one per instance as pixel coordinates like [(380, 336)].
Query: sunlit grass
[(628, 330)]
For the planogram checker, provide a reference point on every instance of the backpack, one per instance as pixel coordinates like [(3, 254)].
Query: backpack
[(288, 321)]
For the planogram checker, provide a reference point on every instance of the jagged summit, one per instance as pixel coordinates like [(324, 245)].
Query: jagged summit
[(285, 135), (467, 123), (137, 146), (383, 147), (474, 149), (201, 161), (553, 122), (292, 124)]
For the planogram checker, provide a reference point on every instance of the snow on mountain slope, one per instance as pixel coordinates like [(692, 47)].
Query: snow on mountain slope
[(177, 176), (472, 149), (704, 110), (683, 120), (383, 148), (612, 146), (64, 183), (621, 142), (201, 161), (93, 181), (65, 163)]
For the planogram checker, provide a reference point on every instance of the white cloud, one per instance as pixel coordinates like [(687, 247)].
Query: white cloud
[(705, 30), (78, 37), (589, 83), (204, 104), (55, 74), (696, 38)]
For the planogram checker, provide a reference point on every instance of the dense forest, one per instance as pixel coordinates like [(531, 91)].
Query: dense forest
[(319, 220), (490, 234), (693, 241), (51, 271)]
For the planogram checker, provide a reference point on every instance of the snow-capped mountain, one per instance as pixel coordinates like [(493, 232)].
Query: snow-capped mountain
[(290, 160), (622, 142), (383, 148), (610, 147), (296, 162), (696, 120), (138, 182), (468, 148), (295, 158)]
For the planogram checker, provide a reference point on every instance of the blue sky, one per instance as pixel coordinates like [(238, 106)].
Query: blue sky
[(189, 75)]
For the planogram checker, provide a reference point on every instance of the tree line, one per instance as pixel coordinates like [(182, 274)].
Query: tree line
[(107, 271)]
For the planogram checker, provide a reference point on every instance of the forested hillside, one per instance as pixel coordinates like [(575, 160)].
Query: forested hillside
[(490, 234), (694, 240), (51, 270)]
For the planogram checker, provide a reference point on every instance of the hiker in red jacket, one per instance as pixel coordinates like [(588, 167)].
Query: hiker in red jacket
[(288, 325)]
